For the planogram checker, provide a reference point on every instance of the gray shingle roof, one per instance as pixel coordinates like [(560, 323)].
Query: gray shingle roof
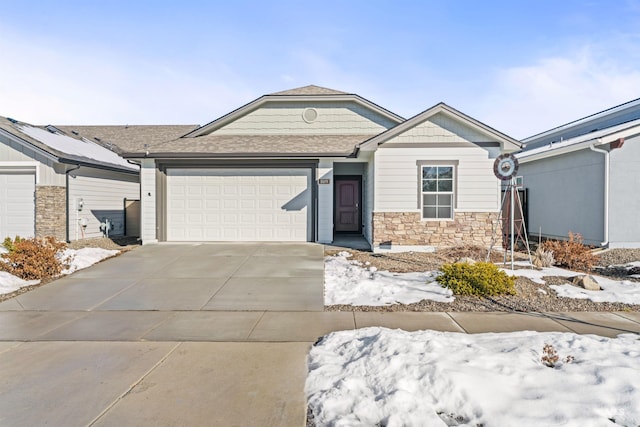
[(310, 90), (129, 138), (263, 145)]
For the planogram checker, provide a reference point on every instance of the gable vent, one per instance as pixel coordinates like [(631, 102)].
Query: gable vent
[(310, 115)]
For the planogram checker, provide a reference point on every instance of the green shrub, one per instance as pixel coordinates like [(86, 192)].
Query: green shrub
[(11, 244), (32, 259), (480, 279), (572, 253)]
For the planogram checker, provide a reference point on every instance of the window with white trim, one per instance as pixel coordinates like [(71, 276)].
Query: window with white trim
[(437, 198)]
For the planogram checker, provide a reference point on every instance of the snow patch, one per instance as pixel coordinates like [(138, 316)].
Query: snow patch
[(77, 260), (623, 291), (347, 282), (83, 258), (376, 376), (10, 283)]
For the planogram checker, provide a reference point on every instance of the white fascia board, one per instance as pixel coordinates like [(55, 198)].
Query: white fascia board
[(570, 146)]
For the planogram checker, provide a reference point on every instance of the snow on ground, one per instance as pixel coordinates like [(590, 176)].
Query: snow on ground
[(378, 376), (623, 291), (85, 257), (10, 283), (77, 259), (348, 282)]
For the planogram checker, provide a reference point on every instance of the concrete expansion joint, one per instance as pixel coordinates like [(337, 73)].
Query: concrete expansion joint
[(126, 392)]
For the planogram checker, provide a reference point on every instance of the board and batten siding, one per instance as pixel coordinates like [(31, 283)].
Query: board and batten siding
[(103, 194), (333, 118), (11, 151)]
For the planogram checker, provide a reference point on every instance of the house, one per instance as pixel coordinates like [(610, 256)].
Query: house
[(584, 177), (56, 183), (312, 163)]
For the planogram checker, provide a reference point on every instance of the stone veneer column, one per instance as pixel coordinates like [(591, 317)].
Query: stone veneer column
[(406, 228), (51, 212)]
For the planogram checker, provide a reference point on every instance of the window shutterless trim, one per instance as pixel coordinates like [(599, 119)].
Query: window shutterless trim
[(421, 163)]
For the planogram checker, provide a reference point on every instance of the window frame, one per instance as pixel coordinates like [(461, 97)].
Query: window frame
[(421, 165)]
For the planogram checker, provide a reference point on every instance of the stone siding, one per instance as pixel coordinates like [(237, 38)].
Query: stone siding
[(406, 228), (51, 212)]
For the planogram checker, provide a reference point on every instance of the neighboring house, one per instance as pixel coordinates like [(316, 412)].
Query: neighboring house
[(584, 177), (55, 183), (310, 163)]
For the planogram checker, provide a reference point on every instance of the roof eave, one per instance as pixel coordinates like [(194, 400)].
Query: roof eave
[(169, 155), (98, 165), (533, 155)]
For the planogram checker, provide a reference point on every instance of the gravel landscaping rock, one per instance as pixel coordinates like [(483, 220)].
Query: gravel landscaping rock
[(530, 297)]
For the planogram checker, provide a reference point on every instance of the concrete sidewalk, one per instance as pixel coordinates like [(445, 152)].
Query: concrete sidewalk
[(281, 326)]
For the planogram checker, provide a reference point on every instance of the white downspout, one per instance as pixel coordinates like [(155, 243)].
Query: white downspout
[(606, 192)]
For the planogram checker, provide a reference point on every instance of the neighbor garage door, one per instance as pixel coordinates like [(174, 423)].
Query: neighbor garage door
[(17, 204), (239, 204)]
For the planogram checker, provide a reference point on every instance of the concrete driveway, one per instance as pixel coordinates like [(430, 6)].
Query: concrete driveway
[(222, 276)]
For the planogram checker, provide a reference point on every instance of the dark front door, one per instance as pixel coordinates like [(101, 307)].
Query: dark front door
[(347, 205)]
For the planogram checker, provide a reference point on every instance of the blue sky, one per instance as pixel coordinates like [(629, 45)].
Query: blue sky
[(519, 66)]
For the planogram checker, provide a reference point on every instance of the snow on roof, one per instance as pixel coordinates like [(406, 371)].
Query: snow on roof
[(592, 136), (75, 147)]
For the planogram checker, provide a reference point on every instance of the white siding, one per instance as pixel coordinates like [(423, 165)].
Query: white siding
[(346, 118), (325, 202), (148, 201), (11, 151), (103, 195), (397, 186)]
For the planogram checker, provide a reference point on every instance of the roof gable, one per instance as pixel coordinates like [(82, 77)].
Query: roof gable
[(313, 95), (442, 123)]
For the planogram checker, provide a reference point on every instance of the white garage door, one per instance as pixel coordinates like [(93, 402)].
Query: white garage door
[(238, 205), (17, 204)]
